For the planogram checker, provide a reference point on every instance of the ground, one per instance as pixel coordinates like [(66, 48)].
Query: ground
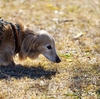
[(75, 25)]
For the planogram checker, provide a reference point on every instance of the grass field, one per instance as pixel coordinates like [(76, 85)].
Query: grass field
[(75, 25)]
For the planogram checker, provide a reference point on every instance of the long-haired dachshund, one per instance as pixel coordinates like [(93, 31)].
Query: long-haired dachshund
[(16, 39)]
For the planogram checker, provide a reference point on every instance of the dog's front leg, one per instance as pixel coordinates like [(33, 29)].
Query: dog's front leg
[(6, 58)]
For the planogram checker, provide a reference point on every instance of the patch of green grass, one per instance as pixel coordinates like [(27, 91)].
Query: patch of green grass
[(67, 55)]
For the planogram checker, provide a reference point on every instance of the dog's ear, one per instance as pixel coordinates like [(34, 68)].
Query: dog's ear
[(29, 43)]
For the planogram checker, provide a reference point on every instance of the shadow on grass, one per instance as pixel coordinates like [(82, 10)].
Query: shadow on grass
[(20, 71)]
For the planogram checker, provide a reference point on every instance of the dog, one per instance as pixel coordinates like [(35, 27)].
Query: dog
[(18, 39)]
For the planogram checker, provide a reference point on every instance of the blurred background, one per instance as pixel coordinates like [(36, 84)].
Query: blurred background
[(75, 25), (66, 20)]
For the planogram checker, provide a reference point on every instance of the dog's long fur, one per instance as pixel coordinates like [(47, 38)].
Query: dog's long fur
[(31, 45)]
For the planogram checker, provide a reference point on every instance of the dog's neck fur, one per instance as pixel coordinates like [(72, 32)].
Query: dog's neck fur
[(27, 38)]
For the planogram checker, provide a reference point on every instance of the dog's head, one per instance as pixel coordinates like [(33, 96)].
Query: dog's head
[(46, 46), (42, 43)]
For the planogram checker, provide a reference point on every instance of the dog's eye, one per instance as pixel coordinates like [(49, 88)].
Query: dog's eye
[(49, 47)]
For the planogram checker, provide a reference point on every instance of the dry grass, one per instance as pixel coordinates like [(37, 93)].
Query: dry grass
[(75, 24)]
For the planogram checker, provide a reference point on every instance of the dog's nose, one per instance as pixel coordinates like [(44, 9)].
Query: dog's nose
[(58, 59)]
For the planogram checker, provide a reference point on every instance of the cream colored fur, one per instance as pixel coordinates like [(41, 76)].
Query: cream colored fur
[(32, 44)]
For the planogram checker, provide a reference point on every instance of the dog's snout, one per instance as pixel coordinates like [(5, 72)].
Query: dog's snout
[(58, 59)]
